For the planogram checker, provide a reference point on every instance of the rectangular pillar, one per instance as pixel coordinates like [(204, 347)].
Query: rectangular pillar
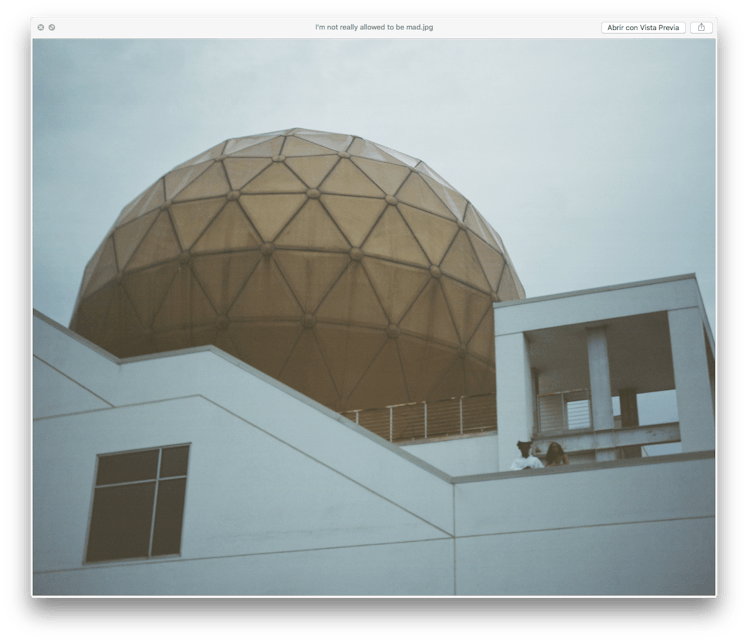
[(629, 408), (514, 396), (602, 402), (692, 383)]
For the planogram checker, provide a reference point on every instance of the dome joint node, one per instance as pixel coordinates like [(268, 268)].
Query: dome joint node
[(308, 320)]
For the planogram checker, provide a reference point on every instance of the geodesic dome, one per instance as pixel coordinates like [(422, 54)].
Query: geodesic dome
[(349, 271)]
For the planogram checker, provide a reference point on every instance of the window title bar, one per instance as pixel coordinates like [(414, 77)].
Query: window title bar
[(416, 27)]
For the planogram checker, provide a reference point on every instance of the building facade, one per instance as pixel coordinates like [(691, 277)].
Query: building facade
[(228, 482)]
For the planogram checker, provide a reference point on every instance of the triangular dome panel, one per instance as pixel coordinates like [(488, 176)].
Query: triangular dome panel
[(185, 304), (105, 268), (236, 145), (148, 288), (159, 244), (415, 192), (429, 316), (224, 275), (267, 149), (266, 295), (298, 147), (276, 179), (230, 230), (336, 142), (149, 200), (361, 147), (454, 201), (310, 274), (384, 379), (392, 239), (467, 305), (434, 233), (178, 179), (461, 262), (387, 176), (353, 300), (348, 355), (266, 347), (491, 261), (242, 170), (306, 370), (424, 365), (190, 219), (354, 215), (312, 228), (128, 237), (347, 179), (396, 285), (269, 213), (312, 170)]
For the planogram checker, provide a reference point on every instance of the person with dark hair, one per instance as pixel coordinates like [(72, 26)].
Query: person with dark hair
[(527, 460), (556, 455)]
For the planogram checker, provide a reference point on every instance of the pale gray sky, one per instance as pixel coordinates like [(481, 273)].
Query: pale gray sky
[(593, 159)]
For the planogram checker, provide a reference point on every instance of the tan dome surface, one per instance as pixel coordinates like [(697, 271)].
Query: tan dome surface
[(349, 271)]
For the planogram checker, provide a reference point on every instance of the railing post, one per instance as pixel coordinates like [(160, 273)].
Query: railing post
[(460, 415), (390, 424), (356, 417), (425, 421)]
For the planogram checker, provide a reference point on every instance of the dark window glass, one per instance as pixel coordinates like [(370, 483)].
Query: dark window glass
[(174, 461), (167, 530), (115, 469), (121, 522), (132, 517)]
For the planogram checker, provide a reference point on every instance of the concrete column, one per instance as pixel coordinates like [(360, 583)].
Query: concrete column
[(692, 384), (602, 402), (629, 408), (514, 397)]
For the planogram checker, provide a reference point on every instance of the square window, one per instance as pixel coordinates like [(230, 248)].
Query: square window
[(138, 504)]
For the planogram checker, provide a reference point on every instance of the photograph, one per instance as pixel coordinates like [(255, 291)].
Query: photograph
[(374, 316)]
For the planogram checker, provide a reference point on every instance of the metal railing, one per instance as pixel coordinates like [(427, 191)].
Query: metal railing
[(569, 410), (429, 420)]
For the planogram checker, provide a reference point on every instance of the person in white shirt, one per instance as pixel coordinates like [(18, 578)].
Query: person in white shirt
[(527, 460)]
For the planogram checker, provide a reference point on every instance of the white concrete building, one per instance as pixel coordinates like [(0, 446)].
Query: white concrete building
[(231, 483)]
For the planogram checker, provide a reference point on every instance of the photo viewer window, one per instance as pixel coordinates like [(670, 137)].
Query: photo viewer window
[(138, 504)]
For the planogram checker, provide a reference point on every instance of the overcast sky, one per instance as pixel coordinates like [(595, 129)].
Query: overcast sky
[(593, 159)]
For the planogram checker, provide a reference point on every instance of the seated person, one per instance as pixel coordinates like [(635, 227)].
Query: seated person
[(527, 460), (556, 455)]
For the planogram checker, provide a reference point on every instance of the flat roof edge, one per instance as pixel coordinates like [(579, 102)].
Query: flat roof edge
[(606, 288), (577, 468)]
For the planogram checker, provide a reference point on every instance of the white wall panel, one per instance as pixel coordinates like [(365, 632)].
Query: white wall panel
[(272, 406), (56, 394), (247, 492), (471, 456), (656, 558), (419, 568), (670, 490)]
